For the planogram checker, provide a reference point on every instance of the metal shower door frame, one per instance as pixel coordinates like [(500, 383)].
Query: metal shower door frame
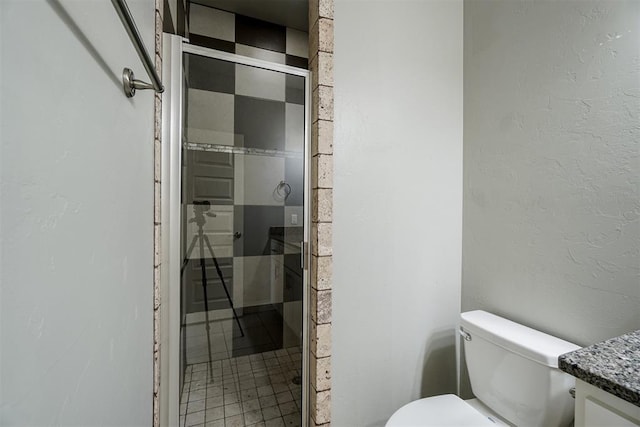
[(172, 131)]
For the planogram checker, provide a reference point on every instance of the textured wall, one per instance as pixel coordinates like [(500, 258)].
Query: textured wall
[(397, 205), (551, 165), (76, 232)]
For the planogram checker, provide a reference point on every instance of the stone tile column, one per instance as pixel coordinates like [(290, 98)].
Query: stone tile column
[(321, 66), (157, 139)]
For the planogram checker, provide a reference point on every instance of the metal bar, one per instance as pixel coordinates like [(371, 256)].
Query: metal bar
[(129, 25), (308, 248), (244, 60)]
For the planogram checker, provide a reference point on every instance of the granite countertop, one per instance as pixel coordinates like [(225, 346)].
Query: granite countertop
[(612, 365)]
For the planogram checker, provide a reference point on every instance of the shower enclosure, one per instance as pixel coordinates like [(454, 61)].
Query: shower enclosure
[(237, 237)]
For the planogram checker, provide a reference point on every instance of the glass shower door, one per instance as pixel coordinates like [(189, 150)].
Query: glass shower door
[(242, 228)]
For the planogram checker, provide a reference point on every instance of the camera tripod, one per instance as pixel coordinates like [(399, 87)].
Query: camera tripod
[(200, 210)]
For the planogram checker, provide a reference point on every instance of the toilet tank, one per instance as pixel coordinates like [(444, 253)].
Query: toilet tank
[(513, 370)]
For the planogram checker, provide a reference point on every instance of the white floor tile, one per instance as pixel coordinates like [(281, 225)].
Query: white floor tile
[(244, 393)]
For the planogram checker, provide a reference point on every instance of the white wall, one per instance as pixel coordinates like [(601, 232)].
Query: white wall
[(551, 165), (397, 204), (76, 231)]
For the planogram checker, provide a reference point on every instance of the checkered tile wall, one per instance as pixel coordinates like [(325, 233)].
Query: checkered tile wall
[(245, 135), (239, 34)]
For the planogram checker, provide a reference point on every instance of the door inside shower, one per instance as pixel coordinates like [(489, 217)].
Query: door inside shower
[(242, 228)]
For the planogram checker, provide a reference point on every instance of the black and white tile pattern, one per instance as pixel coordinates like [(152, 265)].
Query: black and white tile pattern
[(228, 32), (244, 133)]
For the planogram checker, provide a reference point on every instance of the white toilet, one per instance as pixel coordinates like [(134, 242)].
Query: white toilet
[(514, 375)]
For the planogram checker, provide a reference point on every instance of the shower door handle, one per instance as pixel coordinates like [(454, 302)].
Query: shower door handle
[(304, 255)]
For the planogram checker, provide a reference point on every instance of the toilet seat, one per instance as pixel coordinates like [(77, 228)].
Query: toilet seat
[(445, 410)]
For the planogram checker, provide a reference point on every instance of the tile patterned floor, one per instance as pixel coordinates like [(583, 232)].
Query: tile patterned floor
[(255, 390)]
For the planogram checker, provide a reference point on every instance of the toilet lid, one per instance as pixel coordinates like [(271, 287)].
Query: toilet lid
[(445, 410)]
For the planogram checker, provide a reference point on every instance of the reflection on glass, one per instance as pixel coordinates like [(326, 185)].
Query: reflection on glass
[(242, 210)]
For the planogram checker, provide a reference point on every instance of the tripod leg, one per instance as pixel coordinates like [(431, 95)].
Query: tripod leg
[(204, 288), (224, 285), (185, 261), (203, 269)]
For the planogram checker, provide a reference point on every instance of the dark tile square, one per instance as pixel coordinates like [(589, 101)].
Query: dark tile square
[(292, 278), (181, 18), (262, 330), (297, 61), (252, 337), (259, 123), (272, 322), (294, 176), (294, 91), (262, 34), (258, 348), (167, 25), (210, 42), (210, 74), (238, 229), (255, 222)]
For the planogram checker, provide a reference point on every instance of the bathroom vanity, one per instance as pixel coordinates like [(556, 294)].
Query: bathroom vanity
[(286, 275), (607, 381)]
